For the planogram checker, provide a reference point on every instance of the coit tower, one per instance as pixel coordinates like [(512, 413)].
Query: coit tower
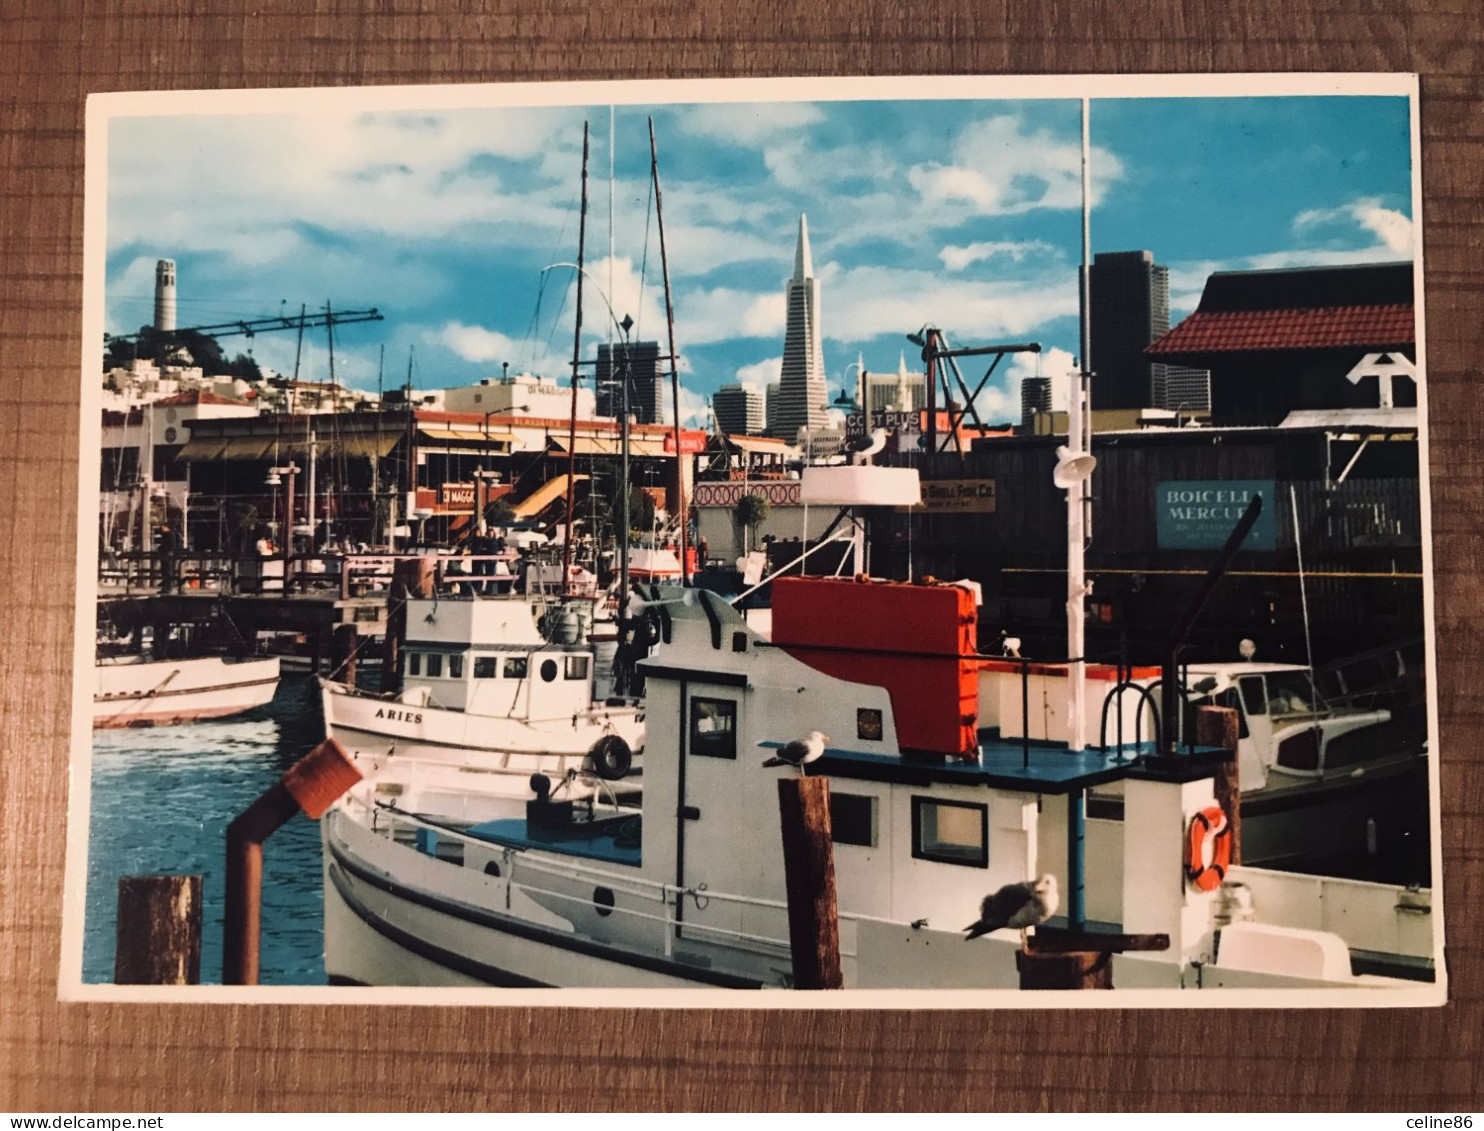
[(165, 294)]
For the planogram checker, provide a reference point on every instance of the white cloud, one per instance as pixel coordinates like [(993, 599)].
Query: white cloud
[(957, 258), (1391, 229), (749, 124), (694, 411), (996, 169), (719, 314), (1002, 402), (760, 374)]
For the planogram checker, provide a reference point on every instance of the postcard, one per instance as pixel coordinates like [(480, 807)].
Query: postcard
[(944, 542)]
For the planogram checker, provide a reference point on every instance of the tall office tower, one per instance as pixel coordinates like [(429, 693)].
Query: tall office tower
[(1035, 396), (802, 395), (165, 294), (739, 410), (1185, 389), (646, 386), (770, 409), (1130, 308)]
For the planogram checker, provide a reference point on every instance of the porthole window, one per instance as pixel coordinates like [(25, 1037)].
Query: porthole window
[(603, 901), (548, 670), (492, 869)]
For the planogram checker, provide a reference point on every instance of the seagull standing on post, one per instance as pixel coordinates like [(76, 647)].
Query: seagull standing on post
[(801, 751), (1016, 905)]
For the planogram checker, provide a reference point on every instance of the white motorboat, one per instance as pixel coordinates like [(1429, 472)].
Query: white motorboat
[(429, 879), (485, 687), (1319, 784), (134, 691)]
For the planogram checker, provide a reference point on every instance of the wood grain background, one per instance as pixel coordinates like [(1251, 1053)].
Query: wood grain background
[(143, 1058)]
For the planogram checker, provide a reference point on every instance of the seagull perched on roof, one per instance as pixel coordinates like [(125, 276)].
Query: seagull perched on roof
[(1016, 905), (863, 448), (801, 751)]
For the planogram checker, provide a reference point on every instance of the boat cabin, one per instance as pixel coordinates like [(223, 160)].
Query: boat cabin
[(490, 657)]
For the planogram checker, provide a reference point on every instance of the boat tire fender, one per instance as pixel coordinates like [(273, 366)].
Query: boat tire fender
[(1210, 824), (611, 757)]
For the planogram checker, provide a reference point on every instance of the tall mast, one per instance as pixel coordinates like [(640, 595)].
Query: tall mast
[(576, 355), (1078, 436), (680, 503)]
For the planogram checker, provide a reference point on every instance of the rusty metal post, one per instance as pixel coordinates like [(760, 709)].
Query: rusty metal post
[(1220, 727), (158, 938), (809, 874), (312, 784)]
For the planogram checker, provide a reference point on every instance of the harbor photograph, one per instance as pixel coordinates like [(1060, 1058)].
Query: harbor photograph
[(934, 541)]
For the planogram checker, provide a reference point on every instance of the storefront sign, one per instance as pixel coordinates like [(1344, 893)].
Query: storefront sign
[(1199, 514), (460, 495), (959, 496)]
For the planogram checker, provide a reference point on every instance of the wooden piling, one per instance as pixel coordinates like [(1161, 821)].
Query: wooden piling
[(158, 939), (345, 643), (1219, 726), (1074, 970), (809, 875)]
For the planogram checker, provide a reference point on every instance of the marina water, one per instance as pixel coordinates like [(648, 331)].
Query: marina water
[(162, 800)]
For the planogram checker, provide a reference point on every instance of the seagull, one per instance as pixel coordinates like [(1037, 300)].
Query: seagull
[(800, 752), (863, 448), (1016, 905)]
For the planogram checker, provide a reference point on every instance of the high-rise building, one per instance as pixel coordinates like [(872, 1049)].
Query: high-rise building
[(165, 294), (646, 388), (770, 409), (902, 391), (802, 395), (739, 410), (1130, 308), (1035, 396)]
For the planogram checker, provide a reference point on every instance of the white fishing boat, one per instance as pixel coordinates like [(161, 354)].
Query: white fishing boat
[(1318, 783), (429, 880), (134, 691), (501, 683)]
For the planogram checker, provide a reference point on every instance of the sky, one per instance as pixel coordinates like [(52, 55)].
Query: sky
[(961, 214)]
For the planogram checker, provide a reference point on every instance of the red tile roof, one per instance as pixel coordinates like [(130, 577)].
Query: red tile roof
[(1239, 331), (198, 396)]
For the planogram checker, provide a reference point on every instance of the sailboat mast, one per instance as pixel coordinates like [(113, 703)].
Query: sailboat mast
[(576, 356), (680, 503), (1078, 435)]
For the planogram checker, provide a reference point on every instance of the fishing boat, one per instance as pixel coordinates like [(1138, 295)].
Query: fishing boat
[(428, 880), (501, 684), (135, 691)]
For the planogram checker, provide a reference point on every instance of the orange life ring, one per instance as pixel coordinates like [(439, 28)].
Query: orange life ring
[(1209, 824)]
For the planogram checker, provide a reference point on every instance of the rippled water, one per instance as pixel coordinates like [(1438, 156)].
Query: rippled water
[(162, 800)]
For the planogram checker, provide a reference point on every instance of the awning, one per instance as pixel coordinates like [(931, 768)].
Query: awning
[(357, 445), (544, 496), (608, 446), (464, 436)]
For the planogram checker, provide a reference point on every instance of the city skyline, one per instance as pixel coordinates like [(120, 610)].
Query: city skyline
[(961, 213)]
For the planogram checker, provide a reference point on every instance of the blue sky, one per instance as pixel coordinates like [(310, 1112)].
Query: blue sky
[(960, 213)]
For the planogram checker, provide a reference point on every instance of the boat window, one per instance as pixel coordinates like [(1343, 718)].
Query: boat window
[(713, 727), (548, 670), (456, 667), (576, 667), (853, 819), (414, 663), (950, 832), (1254, 697), (1291, 693), (484, 667), (435, 666), (515, 666)]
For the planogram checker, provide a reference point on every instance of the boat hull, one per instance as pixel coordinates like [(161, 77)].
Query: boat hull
[(164, 692), (374, 728)]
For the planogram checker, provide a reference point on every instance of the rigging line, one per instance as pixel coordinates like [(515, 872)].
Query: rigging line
[(643, 272)]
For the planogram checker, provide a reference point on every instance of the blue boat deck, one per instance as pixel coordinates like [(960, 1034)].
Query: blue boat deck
[(515, 832), (1041, 767)]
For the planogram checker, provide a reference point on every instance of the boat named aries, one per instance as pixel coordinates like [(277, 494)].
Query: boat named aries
[(429, 879), (484, 686)]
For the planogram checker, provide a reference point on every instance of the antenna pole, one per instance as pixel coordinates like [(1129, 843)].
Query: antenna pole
[(680, 504), (576, 354)]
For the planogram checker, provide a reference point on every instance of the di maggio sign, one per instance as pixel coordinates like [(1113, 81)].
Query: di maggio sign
[(1198, 514)]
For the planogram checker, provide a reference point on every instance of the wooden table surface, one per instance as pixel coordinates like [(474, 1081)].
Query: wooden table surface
[(93, 1057)]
